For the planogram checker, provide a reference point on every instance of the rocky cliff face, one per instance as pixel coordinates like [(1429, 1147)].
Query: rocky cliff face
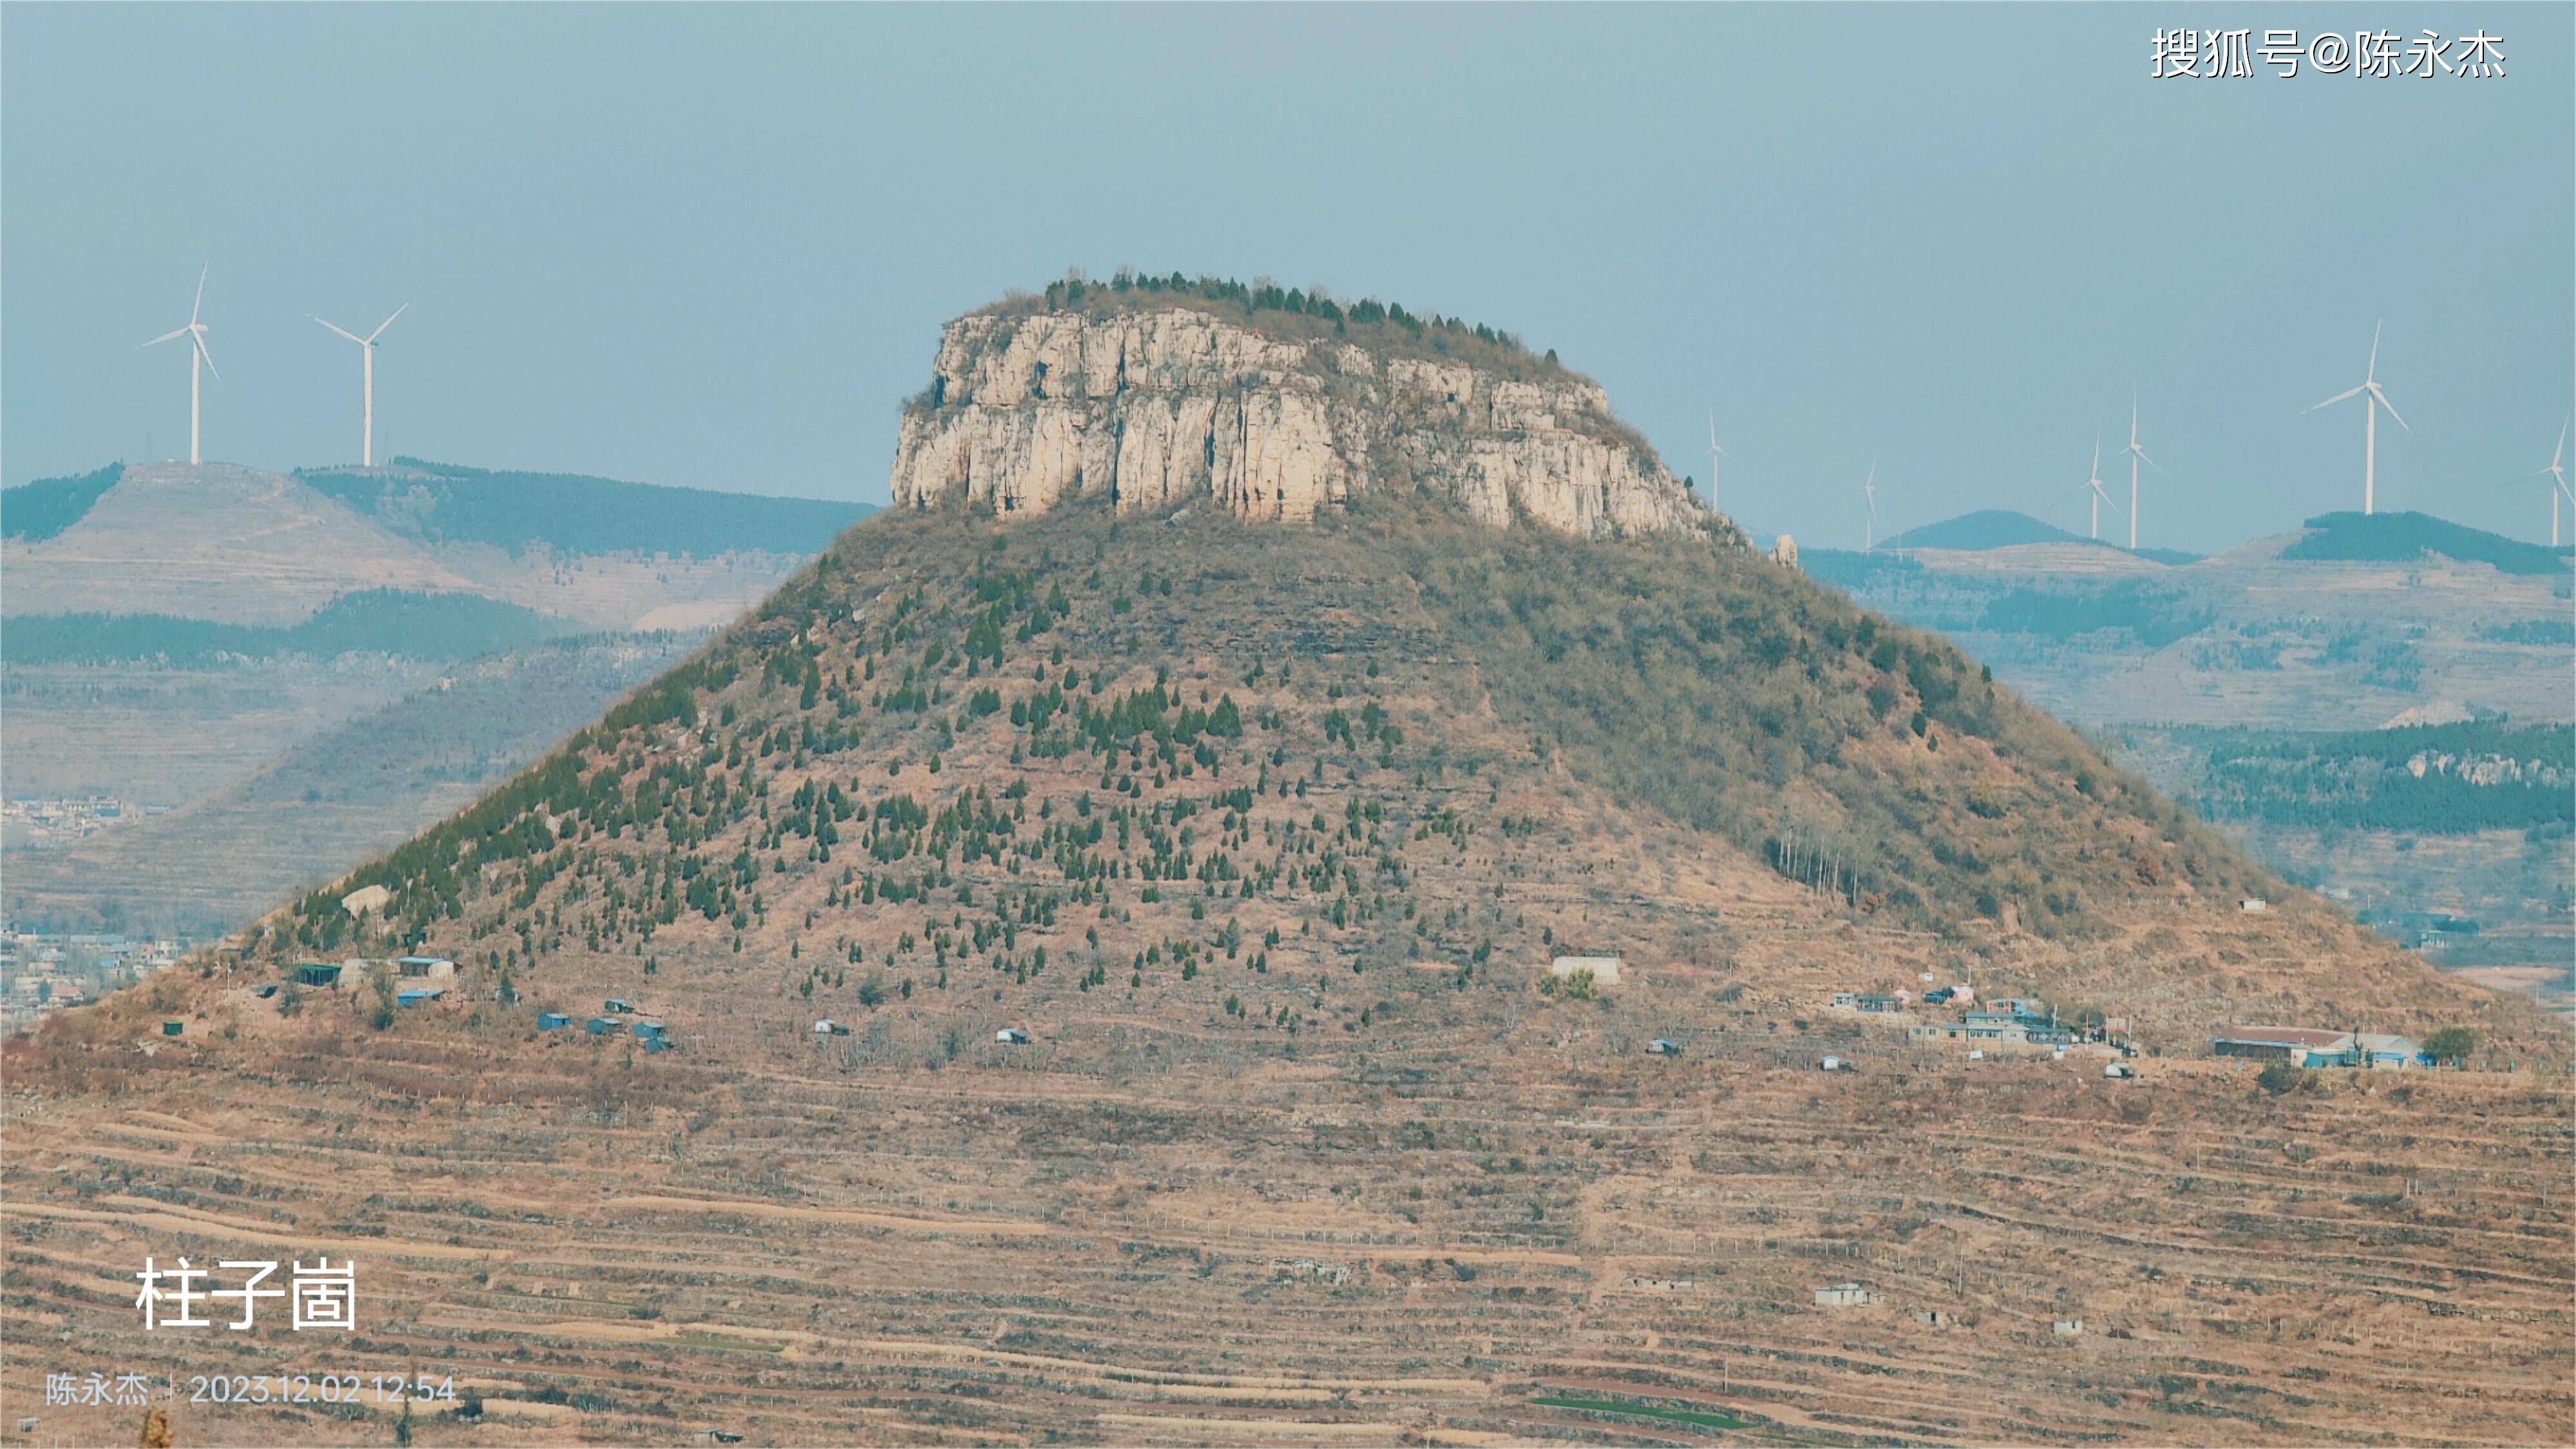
[(1162, 405)]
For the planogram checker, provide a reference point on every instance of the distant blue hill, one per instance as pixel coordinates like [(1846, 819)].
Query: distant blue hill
[(2003, 528), (37, 511), (374, 621), (2405, 537), (1985, 528), (573, 513)]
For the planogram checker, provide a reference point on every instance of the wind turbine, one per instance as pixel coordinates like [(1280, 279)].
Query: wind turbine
[(1714, 453), (2093, 485), (2556, 472), (2137, 455), (2370, 407), (1869, 492), (367, 348), (198, 357)]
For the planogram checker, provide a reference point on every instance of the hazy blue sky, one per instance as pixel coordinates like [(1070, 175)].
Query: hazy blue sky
[(713, 246)]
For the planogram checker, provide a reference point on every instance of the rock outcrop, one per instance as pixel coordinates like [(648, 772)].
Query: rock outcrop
[(1168, 403)]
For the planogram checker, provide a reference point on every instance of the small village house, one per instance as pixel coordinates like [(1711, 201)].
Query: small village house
[(1845, 1295)]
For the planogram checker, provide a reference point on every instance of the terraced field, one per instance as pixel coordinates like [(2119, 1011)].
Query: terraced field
[(1138, 1235)]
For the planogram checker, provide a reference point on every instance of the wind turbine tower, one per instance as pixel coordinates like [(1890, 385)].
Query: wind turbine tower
[(1714, 453), (1869, 494), (2093, 485), (2137, 455), (2556, 472), (367, 350), (198, 357), (2372, 401)]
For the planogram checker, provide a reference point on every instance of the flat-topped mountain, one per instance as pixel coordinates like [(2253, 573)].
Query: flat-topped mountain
[(1156, 392), (1087, 970)]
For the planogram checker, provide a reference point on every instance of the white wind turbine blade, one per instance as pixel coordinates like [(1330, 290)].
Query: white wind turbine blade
[(2383, 401), (200, 334), (405, 307), (200, 304), (343, 331), (2556, 452), (2373, 370), (170, 336), (2339, 397)]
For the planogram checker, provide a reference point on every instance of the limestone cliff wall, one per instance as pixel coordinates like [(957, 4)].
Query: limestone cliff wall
[(1161, 406)]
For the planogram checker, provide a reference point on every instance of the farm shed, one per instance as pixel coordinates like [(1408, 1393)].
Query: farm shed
[(2304, 1046), (1604, 969)]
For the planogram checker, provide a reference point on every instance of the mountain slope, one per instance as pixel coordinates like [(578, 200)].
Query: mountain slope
[(230, 544), (574, 514), (375, 621), (37, 511), (338, 794), (1330, 724)]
